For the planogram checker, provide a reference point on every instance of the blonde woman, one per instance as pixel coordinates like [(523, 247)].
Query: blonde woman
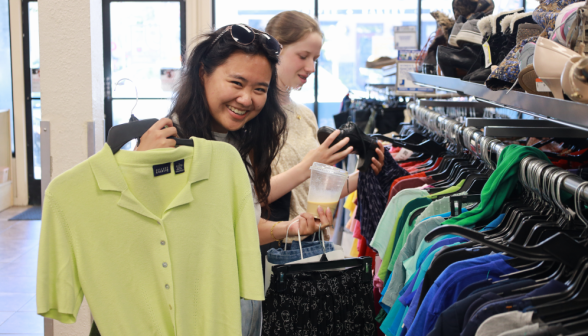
[(302, 40)]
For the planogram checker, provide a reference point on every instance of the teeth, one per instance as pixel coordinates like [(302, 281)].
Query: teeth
[(239, 112)]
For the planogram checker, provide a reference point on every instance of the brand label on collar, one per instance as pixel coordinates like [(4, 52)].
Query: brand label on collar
[(161, 169), (179, 166)]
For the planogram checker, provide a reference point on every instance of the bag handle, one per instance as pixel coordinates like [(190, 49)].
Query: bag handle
[(299, 239), (322, 236)]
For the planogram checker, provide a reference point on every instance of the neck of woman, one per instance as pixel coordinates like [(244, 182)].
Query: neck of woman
[(284, 93)]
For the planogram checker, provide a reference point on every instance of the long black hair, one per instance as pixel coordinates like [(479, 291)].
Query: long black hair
[(261, 138)]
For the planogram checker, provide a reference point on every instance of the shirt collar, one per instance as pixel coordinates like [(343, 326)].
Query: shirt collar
[(109, 177)]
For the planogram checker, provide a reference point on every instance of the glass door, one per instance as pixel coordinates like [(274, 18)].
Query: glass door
[(32, 73), (144, 43)]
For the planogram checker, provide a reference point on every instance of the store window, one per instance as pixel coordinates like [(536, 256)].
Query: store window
[(508, 5), (6, 67), (428, 23), (531, 5), (146, 40), (354, 32)]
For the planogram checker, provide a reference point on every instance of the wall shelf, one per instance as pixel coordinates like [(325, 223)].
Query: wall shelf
[(563, 112)]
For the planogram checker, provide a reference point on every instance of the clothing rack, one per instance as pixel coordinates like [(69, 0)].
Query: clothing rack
[(476, 142)]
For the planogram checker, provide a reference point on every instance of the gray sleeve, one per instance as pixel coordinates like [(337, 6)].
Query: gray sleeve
[(500, 323)]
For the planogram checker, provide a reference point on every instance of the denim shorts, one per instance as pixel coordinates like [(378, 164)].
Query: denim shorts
[(309, 249)]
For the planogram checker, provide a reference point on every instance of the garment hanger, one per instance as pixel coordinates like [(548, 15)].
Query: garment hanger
[(282, 271), (516, 211), (578, 284), (520, 230), (119, 135), (543, 271)]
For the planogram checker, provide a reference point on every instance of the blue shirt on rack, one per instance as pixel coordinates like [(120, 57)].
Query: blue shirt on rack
[(446, 288)]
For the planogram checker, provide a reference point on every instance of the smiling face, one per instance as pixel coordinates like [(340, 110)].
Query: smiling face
[(237, 90), (297, 61)]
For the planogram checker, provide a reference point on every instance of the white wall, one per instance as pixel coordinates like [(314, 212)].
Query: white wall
[(72, 87)]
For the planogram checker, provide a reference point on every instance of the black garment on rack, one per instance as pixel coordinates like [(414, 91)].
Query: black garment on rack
[(372, 194), (331, 303)]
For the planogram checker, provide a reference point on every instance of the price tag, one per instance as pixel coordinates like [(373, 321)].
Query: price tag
[(541, 86), (403, 154), (487, 55)]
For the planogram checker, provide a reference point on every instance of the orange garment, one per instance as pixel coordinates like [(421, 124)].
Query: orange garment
[(407, 177)]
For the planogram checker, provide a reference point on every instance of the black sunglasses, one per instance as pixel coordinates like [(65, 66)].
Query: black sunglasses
[(245, 35)]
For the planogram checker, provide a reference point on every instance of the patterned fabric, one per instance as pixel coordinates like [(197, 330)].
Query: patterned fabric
[(546, 13), (372, 194), (507, 72), (527, 31), (320, 304)]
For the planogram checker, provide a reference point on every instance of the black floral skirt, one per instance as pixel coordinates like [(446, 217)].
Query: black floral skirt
[(320, 303)]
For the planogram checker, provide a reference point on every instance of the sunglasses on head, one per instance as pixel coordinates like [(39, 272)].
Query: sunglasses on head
[(245, 35)]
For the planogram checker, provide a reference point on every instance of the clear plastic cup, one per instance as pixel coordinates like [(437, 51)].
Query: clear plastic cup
[(326, 185)]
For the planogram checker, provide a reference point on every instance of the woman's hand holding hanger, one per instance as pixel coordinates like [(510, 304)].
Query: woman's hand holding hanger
[(157, 136)]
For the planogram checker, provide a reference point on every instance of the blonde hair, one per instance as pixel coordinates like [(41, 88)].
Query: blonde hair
[(290, 26)]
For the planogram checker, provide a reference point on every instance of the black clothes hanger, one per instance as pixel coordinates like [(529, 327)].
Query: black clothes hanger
[(119, 135), (282, 271), (549, 249)]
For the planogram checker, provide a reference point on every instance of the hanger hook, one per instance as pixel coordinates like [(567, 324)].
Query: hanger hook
[(136, 92), (578, 202)]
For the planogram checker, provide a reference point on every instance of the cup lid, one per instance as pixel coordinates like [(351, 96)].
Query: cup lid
[(328, 169)]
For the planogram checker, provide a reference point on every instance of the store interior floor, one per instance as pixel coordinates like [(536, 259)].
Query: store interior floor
[(19, 246)]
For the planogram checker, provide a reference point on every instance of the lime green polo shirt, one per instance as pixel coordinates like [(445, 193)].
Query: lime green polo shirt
[(154, 255)]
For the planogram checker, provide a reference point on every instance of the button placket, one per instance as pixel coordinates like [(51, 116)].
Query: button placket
[(165, 263)]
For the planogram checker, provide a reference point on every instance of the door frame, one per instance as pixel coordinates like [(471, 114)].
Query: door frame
[(34, 185)]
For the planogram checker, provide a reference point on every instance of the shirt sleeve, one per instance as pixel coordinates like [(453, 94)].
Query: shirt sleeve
[(59, 292), (248, 252)]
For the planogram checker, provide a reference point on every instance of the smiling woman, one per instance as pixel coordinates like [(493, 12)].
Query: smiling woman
[(229, 92), (237, 91)]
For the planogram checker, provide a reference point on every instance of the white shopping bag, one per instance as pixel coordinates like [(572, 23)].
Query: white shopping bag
[(337, 254)]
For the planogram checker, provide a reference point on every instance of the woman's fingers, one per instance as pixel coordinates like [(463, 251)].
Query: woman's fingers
[(156, 136), (338, 146), (378, 163), (169, 143), (340, 156), (306, 224), (329, 140), (169, 132), (380, 152), (161, 123), (325, 217)]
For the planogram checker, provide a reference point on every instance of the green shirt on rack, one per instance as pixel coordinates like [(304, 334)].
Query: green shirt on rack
[(499, 186)]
